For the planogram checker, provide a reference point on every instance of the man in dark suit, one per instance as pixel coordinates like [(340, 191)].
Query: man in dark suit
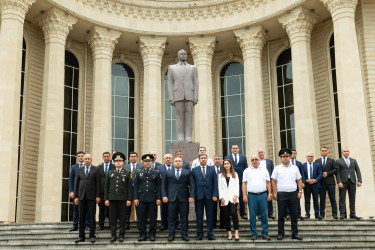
[(147, 196), (206, 191), (155, 164), (240, 164), (298, 164), (346, 180), (218, 166), (185, 165), (164, 206), (268, 164), (72, 177), (118, 193), (104, 167), (312, 174), (133, 166), (327, 183), (178, 190), (87, 194)]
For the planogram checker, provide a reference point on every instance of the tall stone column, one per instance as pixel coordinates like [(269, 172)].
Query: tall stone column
[(299, 24), (251, 42), (202, 50), (152, 50), (56, 25), (102, 42), (351, 98), (11, 35)]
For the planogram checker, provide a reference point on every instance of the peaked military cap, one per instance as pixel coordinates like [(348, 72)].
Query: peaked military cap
[(118, 156), (147, 157), (285, 152)]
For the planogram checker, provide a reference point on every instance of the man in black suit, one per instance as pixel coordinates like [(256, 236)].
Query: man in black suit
[(240, 164), (176, 192), (72, 177), (346, 180), (218, 166), (327, 183), (268, 164), (155, 164), (87, 194), (133, 166), (104, 167), (185, 165)]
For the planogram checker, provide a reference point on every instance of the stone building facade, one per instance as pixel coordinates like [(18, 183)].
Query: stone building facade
[(90, 75)]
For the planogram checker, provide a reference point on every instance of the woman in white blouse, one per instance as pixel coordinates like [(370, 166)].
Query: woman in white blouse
[(229, 191)]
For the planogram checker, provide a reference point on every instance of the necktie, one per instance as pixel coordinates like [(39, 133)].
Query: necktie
[(311, 171), (133, 167), (235, 159), (106, 169), (324, 163), (153, 165), (204, 172), (347, 162), (80, 165), (87, 171), (178, 174), (217, 172), (146, 171)]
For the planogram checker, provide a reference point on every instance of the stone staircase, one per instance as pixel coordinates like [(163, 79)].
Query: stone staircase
[(325, 234)]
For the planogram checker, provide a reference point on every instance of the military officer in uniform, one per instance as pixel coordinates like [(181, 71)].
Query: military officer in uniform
[(118, 189), (147, 196)]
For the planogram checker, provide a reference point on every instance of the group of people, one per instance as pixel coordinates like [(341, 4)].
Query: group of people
[(209, 184)]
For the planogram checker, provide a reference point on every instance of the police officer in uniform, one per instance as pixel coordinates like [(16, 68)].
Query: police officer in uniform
[(147, 196), (118, 189)]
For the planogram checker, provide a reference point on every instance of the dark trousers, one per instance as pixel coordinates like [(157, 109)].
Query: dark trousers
[(270, 208), (200, 206), (103, 212), (164, 214), (221, 214), (87, 207), (351, 188), (230, 210), (311, 189), (330, 188), (287, 200), (175, 208), (242, 204), (147, 209), (129, 213), (76, 216), (117, 211)]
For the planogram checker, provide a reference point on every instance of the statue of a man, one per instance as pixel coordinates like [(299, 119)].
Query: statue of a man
[(183, 94)]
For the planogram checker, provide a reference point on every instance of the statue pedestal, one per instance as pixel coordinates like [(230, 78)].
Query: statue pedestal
[(189, 149)]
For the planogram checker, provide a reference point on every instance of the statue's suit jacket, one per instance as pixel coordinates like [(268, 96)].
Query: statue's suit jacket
[(182, 83)]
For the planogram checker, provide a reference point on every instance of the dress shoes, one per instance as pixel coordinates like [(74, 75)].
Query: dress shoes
[(301, 217), (266, 237), (343, 216), (355, 217), (127, 227), (335, 217), (163, 228), (211, 238), (92, 240), (113, 239), (244, 217), (237, 239), (319, 217), (152, 237), (253, 237), (271, 217), (171, 238), (185, 238), (73, 229), (287, 217), (142, 238), (79, 240), (199, 237), (297, 237), (87, 228), (121, 238), (280, 237), (307, 217), (100, 228)]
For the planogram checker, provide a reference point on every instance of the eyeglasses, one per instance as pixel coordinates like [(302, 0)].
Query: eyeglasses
[(254, 159)]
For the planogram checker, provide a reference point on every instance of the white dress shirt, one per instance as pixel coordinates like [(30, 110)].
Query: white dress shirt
[(196, 163), (256, 179), (262, 163), (293, 162), (286, 177)]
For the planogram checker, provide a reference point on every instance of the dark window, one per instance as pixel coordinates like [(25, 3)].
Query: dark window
[(169, 119), (232, 98), (334, 92), (71, 82), (285, 99), (122, 108)]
